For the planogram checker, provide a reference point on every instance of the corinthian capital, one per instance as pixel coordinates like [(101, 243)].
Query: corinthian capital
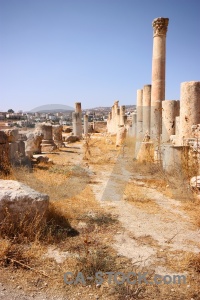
[(160, 26)]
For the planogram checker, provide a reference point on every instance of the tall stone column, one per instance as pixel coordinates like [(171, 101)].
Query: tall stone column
[(109, 120), (5, 166), (118, 117), (146, 108), (86, 124), (190, 108), (134, 124), (139, 114), (78, 107), (158, 75), (170, 110), (77, 120), (122, 114), (115, 119)]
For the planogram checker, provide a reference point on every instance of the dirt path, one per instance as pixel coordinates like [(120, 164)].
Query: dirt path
[(145, 235)]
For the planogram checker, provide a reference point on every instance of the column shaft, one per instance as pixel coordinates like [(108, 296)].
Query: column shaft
[(146, 108), (158, 75), (139, 114)]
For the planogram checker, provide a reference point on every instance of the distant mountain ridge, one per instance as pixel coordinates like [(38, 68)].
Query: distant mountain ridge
[(48, 108)]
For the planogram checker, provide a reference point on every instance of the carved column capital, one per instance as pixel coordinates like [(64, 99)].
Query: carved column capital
[(160, 26)]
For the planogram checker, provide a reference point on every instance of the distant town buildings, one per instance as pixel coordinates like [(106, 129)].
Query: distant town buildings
[(29, 119)]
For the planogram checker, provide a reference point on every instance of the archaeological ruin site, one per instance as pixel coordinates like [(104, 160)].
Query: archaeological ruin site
[(119, 196)]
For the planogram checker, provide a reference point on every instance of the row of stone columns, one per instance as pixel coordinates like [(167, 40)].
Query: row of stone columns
[(116, 118), (177, 116), (169, 122)]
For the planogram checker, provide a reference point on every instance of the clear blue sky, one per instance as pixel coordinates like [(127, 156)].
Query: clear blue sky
[(92, 51)]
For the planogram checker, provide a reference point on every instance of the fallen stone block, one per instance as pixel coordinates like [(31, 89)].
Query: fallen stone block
[(19, 200), (12, 134), (72, 139), (195, 182), (42, 159)]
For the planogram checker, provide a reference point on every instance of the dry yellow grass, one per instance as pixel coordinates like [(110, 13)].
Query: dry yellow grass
[(192, 208), (136, 196), (101, 150)]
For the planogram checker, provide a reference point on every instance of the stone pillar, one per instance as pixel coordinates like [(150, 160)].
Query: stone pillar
[(85, 124), (170, 110), (146, 109), (5, 166), (116, 106), (78, 107), (125, 120), (134, 124), (122, 114), (118, 117), (77, 120), (34, 140), (113, 111), (16, 147), (112, 125), (115, 119), (121, 135), (57, 135), (109, 120), (190, 108), (177, 126), (158, 75), (139, 114), (47, 144)]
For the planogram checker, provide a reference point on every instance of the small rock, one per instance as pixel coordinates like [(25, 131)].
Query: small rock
[(72, 139), (42, 159), (19, 287)]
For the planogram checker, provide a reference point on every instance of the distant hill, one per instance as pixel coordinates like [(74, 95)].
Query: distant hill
[(52, 108)]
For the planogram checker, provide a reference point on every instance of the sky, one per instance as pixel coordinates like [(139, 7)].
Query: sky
[(92, 51)]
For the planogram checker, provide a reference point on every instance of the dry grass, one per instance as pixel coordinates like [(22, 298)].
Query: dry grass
[(98, 151), (195, 262), (192, 208), (136, 196), (5, 166)]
